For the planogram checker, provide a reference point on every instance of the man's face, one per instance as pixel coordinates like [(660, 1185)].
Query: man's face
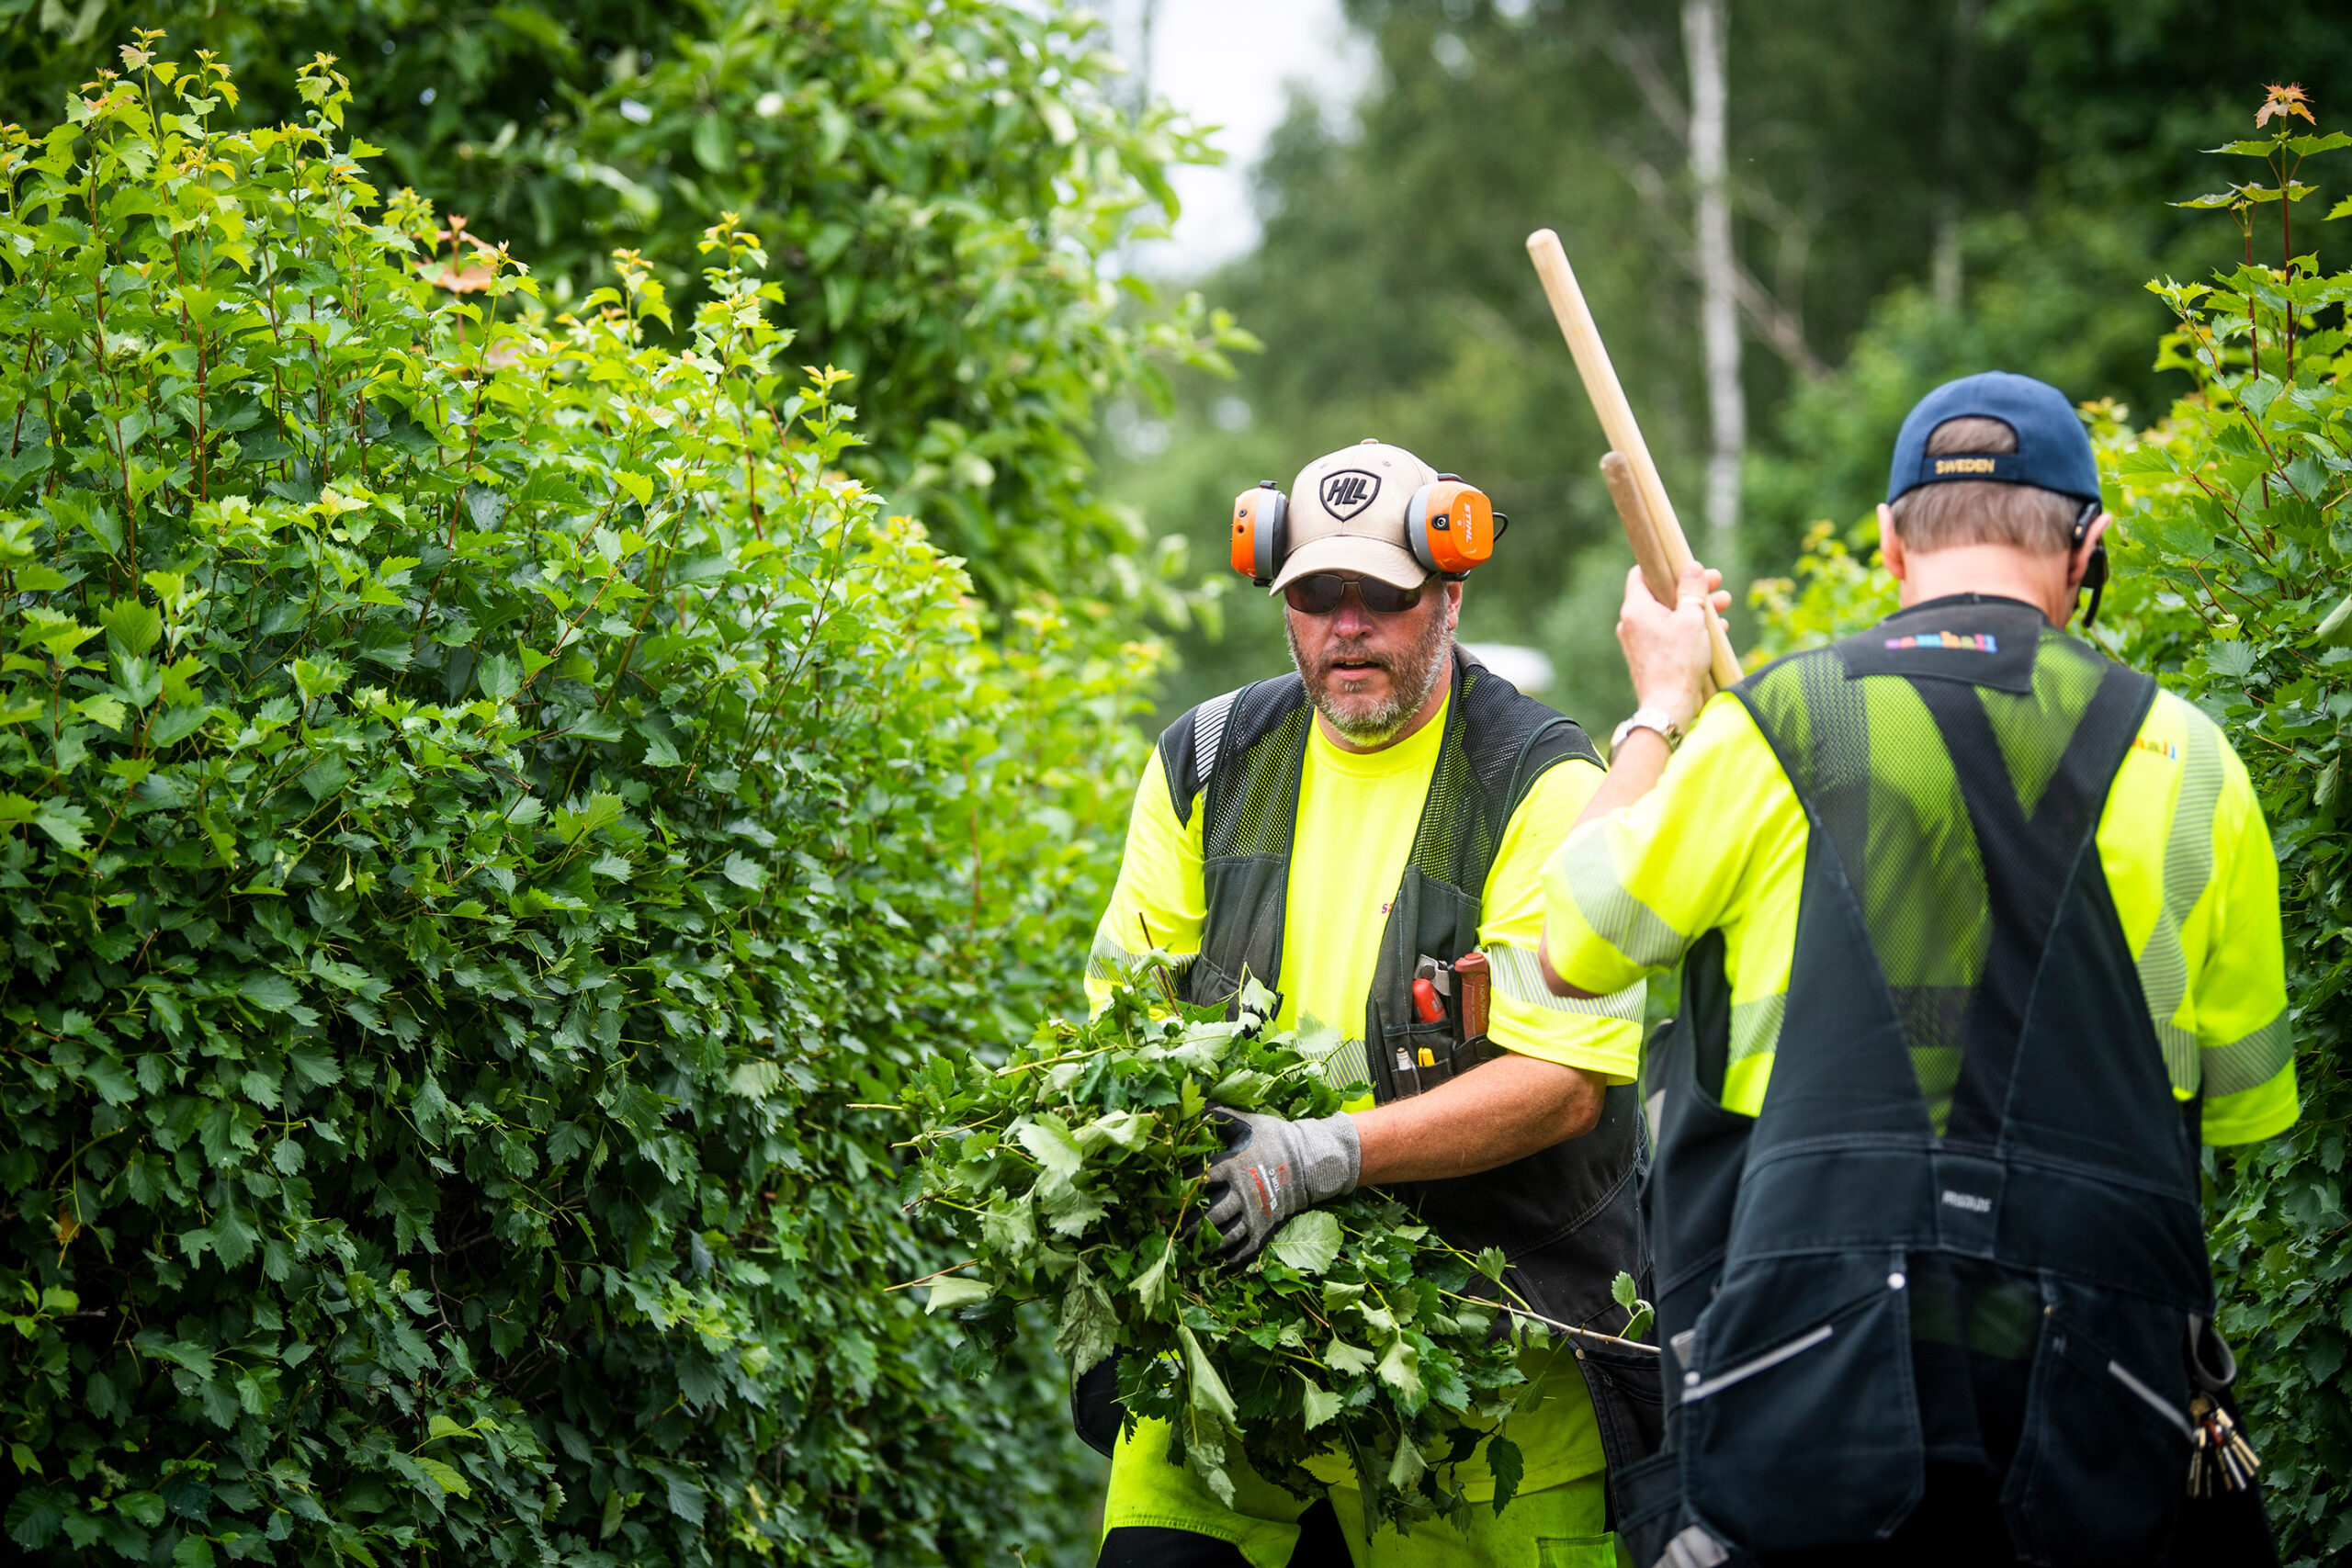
[(1367, 673)]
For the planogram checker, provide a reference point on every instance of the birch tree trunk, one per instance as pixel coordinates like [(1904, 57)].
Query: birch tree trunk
[(1703, 31), (1952, 151)]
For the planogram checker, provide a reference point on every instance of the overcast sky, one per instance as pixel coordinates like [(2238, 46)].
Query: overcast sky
[(1228, 63)]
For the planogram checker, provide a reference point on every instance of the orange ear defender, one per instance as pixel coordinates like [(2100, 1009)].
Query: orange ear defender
[(1260, 532), (1452, 526)]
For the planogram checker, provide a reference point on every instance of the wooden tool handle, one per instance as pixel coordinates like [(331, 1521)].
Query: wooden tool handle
[(1660, 573), (1651, 525)]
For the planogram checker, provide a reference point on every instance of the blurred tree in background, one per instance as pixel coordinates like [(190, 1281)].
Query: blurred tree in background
[(1919, 189)]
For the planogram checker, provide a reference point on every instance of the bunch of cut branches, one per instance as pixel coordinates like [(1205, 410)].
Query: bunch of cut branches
[(1074, 1172)]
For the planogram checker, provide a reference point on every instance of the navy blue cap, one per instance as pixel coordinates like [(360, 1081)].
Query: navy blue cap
[(2053, 450)]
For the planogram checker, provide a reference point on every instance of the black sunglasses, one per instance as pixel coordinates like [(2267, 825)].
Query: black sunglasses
[(1320, 594)]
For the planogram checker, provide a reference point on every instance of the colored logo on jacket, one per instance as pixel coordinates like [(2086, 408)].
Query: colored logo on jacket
[(1974, 642), (1347, 493)]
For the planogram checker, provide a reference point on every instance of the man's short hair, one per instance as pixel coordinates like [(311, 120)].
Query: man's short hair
[(1983, 512)]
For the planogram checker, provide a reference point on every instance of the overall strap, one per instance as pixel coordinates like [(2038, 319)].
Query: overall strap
[(1237, 759), (2028, 856), (1189, 749)]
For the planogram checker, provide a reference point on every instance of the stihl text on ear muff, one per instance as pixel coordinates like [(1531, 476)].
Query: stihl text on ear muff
[(1260, 532), (2094, 570), (1452, 526)]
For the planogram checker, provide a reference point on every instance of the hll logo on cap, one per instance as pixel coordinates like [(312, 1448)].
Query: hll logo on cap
[(1347, 493)]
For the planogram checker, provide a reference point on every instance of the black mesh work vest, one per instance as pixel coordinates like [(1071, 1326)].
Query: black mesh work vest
[(1566, 1217), (1965, 1227)]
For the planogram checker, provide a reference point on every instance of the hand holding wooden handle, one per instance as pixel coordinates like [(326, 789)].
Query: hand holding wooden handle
[(1641, 505), (1661, 572)]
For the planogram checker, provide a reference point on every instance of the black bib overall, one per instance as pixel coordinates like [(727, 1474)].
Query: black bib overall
[(1964, 1232)]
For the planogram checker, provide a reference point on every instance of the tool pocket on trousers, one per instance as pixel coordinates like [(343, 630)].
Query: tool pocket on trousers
[(1647, 1496), (2102, 1460), (1799, 1424)]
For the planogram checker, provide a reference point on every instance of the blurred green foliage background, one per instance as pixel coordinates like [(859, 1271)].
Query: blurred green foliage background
[(2038, 140)]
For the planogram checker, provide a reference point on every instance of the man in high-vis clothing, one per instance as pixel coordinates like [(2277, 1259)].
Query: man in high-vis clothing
[(1341, 833), (1981, 937)]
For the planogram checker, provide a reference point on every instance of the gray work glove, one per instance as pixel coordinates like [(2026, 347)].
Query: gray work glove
[(1272, 1170)]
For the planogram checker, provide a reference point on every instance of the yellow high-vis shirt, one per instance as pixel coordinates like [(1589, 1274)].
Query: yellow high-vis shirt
[(1357, 816), (1720, 844)]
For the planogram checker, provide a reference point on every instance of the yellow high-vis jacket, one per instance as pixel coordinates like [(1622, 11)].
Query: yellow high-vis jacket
[(1720, 844)]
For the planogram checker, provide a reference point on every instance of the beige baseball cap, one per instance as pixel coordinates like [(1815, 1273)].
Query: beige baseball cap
[(1347, 513)]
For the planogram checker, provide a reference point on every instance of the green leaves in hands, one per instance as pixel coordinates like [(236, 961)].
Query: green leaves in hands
[(1116, 1129), (1317, 1406), (1310, 1242), (1088, 1331), (1153, 1287), (1047, 1139), (1508, 1466), (1625, 1293), (1073, 1170), (1400, 1368), (1208, 1395)]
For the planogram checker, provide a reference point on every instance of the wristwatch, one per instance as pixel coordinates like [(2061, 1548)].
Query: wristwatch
[(1654, 718)]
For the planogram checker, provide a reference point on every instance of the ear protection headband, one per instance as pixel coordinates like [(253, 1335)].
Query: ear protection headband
[(2094, 570), (1450, 527)]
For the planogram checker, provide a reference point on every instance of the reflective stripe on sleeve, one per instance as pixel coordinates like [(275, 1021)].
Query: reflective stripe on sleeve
[(2249, 1061), (1756, 1025), (2252, 1114), (1520, 976), (1110, 964), (1347, 1066), (1613, 913), (2188, 867)]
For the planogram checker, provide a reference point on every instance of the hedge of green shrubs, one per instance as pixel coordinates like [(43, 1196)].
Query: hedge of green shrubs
[(483, 800)]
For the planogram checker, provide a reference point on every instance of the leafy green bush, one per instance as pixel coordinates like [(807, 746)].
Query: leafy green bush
[(946, 184), (940, 182), (482, 800), (1836, 589), (2236, 562), (1072, 1170)]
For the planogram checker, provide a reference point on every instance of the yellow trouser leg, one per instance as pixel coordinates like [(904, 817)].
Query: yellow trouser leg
[(1145, 1489), (1559, 1526)]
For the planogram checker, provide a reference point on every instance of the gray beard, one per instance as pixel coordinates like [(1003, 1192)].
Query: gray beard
[(1429, 662)]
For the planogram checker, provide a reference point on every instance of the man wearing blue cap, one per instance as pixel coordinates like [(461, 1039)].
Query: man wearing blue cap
[(1980, 934)]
